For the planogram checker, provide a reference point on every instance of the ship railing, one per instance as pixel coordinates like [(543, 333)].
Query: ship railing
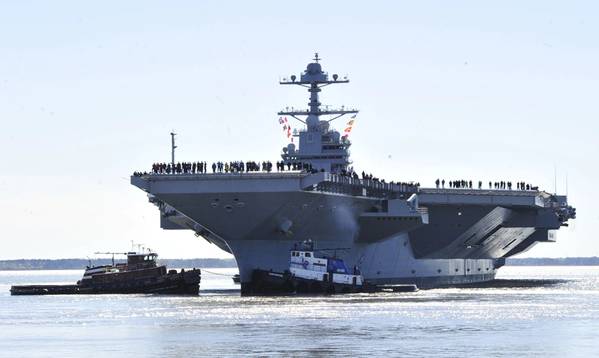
[(218, 173), (348, 184), (253, 175), (468, 191), (322, 109)]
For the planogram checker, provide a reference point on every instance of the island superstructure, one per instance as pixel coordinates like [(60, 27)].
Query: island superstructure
[(394, 232)]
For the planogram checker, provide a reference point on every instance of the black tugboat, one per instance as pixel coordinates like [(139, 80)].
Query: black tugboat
[(140, 274), (309, 274)]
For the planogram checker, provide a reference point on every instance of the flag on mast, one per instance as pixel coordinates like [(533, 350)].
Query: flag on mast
[(349, 126), (286, 126)]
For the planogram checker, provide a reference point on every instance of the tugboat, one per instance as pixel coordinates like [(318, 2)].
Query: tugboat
[(311, 274), (141, 274)]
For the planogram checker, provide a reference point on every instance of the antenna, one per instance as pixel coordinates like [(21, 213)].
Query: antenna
[(566, 183), (554, 179), (173, 146), (110, 253), (314, 78)]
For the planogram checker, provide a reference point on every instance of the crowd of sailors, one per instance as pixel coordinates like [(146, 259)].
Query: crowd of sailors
[(179, 168), (226, 167), (282, 166), (404, 186), (265, 166), (497, 185)]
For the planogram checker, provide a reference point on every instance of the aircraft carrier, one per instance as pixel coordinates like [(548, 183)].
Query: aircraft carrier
[(394, 232)]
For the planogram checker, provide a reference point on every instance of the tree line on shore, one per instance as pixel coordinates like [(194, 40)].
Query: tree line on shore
[(78, 264), (551, 261)]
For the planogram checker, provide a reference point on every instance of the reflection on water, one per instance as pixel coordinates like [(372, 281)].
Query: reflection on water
[(530, 311), (516, 283)]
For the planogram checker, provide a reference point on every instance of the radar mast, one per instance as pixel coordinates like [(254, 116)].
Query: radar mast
[(321, 147)]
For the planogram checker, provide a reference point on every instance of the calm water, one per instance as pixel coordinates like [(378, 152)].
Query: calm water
[(546, 318)]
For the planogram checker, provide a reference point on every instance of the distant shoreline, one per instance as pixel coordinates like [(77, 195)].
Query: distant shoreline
[(78, 264), (558, 261)]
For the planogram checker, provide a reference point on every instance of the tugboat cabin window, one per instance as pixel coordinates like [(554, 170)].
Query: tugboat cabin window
[(308, 254)]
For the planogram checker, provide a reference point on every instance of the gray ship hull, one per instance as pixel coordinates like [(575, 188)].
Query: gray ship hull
[(388, 262), (440, 237)]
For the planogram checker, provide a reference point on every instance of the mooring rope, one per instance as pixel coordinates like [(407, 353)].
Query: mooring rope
[(217, 273)]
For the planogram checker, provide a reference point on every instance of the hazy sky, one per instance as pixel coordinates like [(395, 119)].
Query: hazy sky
[(89, 92)]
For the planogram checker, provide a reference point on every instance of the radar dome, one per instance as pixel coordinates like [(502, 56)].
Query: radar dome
[(314, 68)]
